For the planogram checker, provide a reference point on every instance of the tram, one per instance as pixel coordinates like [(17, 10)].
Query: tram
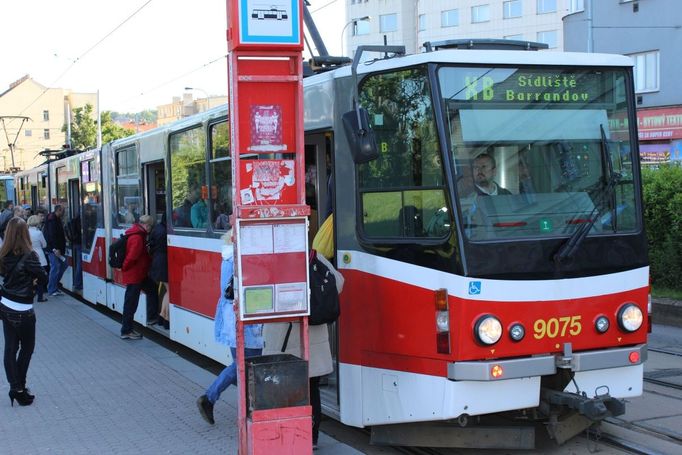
[(528, 300)]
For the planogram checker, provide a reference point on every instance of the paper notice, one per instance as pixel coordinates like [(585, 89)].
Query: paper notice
[(290, 297), (289, 238), (255, 239)]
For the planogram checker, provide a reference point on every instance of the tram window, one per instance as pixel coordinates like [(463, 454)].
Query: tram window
[(221, 176), (127, 187), (188, 179), (60, 188), (560, 147), (92, 206), (42, 191), (402, 192)]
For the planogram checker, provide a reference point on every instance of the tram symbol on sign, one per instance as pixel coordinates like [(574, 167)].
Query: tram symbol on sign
[(474, 287)]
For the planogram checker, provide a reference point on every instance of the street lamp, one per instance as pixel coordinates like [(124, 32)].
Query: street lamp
[(354, 22), (208, 99)]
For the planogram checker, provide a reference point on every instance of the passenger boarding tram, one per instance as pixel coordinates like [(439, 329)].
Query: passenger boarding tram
[(457, 303)]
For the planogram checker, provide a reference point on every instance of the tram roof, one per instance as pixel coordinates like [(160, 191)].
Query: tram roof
[(484, 57)]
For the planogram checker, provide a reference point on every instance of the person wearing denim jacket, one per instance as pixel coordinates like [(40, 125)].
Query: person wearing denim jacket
[(225, 333)]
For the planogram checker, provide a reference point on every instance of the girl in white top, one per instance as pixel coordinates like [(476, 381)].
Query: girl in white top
[(39, 243)]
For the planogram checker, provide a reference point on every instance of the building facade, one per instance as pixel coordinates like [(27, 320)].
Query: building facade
[(185, 106), (414, 22), (47, 110), (651, 33)]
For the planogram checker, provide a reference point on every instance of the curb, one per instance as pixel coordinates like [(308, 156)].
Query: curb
[(666, 312)]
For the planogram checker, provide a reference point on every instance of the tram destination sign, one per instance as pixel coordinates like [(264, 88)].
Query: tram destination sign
[(538, 87)]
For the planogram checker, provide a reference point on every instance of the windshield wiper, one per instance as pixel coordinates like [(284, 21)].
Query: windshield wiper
[(611, 179)]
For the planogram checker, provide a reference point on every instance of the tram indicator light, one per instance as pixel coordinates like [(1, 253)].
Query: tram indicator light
[(497, 371), (441, 299), (634, 357)]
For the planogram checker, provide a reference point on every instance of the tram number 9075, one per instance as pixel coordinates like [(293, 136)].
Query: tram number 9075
[(557, 327)]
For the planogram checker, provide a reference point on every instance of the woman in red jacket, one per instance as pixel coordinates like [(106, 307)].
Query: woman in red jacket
[(135, 272)]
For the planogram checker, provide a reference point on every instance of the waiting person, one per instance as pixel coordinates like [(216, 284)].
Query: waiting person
[(6, 215), (135, 273), (320, 362), (484, 172), (38, 243), (56, 246), (20, 267), (225, 333), (158, 249)]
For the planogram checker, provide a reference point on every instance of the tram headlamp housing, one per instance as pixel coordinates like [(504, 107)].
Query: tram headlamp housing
[(630, 317), (602, 324), (517, 332), (488, 330)]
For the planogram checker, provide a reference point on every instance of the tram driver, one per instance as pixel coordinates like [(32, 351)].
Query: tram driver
[(484, 172)]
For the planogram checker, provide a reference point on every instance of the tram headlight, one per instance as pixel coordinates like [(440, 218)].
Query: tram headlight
[(602, 324), (517, 332), (630, 317), (488, 329)]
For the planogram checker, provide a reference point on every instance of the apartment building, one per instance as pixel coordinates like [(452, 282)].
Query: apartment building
[(651, 33), (414, 22), (47, 110), (185, 106)]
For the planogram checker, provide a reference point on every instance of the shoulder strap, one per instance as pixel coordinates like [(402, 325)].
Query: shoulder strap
[(286, 338)]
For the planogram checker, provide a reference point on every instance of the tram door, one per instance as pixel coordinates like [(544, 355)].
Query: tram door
[(318, 169), (155, 187), (74, 199), (34, 197)]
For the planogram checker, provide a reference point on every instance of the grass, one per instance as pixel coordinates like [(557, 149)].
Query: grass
[(658, 292)]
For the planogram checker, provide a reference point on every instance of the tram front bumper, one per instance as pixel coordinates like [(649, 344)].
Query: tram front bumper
[(544, 365)]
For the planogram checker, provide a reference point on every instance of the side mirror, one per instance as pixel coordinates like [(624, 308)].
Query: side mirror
[(363, 144)]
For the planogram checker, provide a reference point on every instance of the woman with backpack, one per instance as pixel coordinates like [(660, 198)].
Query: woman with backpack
[(20, 267)]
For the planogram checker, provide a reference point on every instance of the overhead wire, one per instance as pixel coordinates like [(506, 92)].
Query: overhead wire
[(87, 51)]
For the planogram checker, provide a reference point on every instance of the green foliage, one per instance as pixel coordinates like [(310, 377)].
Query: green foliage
[(663, 220), (84, 128)]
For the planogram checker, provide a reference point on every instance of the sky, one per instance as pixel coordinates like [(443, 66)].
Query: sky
[(137, 53)]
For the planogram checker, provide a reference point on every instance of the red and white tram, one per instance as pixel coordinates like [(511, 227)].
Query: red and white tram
[(457, 303)]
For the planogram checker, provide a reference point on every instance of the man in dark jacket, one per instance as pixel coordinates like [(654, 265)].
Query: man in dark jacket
[(5, 216), (56, 246), (135, 272)]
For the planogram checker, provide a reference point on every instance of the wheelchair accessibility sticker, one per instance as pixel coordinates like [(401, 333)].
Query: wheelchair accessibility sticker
[(474, 287)]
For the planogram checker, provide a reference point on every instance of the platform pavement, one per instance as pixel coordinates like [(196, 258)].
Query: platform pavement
[(98, 394)]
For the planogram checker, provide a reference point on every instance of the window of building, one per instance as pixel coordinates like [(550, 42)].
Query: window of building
[(188, 179), (449, 18), (512, 8), (480, 13), (575, 6), (422, 22), (646, 71), (46, 133), (388, 23), (128, 201), (548, 37), (518, 37), (221, 176), (361, 28), (403, 190), (28, 133), (46, 116), (546, 6)]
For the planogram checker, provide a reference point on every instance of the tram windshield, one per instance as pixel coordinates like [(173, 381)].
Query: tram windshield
[(539, 152)]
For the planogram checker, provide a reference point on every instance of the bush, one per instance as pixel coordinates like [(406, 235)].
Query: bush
[(662, 192)]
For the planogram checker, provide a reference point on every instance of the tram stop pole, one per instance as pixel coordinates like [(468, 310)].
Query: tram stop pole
[(265, 87)]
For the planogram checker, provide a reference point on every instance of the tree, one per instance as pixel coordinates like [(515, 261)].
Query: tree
[(84, 128)]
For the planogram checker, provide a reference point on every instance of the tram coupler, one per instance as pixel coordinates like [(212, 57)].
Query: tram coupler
[(597, 408)]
